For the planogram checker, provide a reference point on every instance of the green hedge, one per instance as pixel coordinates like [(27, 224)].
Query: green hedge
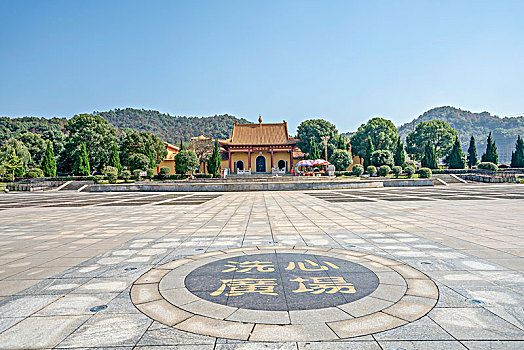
[(424, 173)]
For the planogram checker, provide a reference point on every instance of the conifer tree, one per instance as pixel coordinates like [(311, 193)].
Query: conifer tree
[(472, 153), (314, 151), (399, 155), (517, 157), (213, 164), (456, 156), (149, 155), (181, 146), (429, 160), (82, 162), (369, 152), (491, 152), (49, 162), (114, 158)]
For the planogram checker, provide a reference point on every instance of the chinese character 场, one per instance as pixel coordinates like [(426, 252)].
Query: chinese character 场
[(246, 266), (318, 285), (315, 267), (241, 286)]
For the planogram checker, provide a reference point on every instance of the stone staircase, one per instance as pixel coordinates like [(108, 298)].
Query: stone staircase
[(447, 179)]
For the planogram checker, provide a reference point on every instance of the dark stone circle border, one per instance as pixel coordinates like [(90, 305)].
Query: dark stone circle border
[(403, 295)]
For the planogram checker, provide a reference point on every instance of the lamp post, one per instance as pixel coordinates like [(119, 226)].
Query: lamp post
[(325, 140)]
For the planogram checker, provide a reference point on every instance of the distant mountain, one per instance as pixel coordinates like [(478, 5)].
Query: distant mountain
[(505, 130), (171, 128)]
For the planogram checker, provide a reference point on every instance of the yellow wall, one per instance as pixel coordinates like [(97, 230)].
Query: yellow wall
[(170, 163)]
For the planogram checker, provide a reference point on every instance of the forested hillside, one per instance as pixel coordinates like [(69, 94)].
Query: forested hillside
[(171, 128), (13, 127), (505, 130)]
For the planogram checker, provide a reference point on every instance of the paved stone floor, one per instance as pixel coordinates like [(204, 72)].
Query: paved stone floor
[(63, 254)]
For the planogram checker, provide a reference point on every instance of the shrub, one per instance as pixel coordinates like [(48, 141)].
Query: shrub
[(371, 170), (357, 170), (409, 170), (409, 163), (382, 157), (384, 170), (34, 173), (488, 166), (203, 176), (397, 170), (150, 173), (136, 173), (164, 172), (97, 179), (111, 173), (126, 175), (425, 173)]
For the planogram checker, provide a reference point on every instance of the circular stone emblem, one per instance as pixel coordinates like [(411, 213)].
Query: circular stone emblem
[(281, 281), (284, 294)]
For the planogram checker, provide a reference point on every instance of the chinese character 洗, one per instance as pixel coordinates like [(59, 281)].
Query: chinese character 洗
[(328, 285), (241, 286), (315, 267), (246, 266)]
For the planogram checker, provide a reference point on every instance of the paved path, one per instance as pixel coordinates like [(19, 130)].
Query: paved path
[(59, 260)]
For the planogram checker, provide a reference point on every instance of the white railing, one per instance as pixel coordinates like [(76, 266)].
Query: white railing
[(278, 171), (244, 172)]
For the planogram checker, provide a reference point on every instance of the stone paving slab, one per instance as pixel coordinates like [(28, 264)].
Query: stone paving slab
[(56, 263)]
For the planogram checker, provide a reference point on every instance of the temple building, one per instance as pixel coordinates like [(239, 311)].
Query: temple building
[(169, 159), (260, 148)]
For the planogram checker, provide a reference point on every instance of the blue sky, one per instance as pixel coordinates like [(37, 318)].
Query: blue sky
[(345, 61)]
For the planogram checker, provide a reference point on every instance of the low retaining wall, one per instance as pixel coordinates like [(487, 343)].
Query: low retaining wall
[(247, 186), (489, 178)]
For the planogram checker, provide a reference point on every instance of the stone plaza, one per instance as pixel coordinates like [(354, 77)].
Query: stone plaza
[(381, 268)]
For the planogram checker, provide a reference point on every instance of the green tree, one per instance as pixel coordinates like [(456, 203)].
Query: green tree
[(13, 163), (82, 166), (429, 160), (310, 133), (181, 146), (370, 148), (138, 161), (214, 162), (399, 156), (35, 145), (472, 153), (439, 133), (491, 155), (383, 135), (21, 152), (92, 130), (517, 157), (314, 152), (114, 158), (186, 161), (144, 143), (49, 163), (382, 157), (341, 159), (342, 142), (456, 156)]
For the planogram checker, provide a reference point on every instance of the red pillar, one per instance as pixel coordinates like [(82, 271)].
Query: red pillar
[(291, 159), (229, 155), (271, 158), (249, 159)]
